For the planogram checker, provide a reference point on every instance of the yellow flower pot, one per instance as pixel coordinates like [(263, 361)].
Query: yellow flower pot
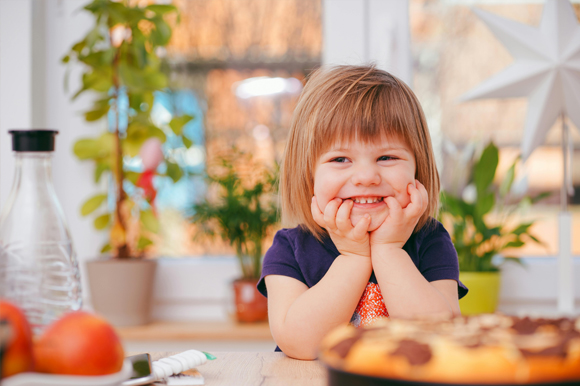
[(483, 295)]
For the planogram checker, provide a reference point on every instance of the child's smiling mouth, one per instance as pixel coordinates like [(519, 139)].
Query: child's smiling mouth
[(367, 202)]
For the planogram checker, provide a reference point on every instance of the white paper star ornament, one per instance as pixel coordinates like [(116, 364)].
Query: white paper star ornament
[(546, 69)]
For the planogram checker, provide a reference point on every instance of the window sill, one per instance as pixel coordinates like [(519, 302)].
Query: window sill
[(199, 290)]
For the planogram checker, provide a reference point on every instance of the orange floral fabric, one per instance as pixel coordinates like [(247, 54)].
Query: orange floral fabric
[(371, 307)]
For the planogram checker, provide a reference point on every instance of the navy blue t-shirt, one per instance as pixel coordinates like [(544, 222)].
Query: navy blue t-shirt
[(298, 254)]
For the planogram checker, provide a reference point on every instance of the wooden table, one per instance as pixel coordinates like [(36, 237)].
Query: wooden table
[(258, 368), (179, 331)]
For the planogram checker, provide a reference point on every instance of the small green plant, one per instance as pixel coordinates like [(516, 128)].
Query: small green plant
[(121, 66), (243, 212), (476, 239)]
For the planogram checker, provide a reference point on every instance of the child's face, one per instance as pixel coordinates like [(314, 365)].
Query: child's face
[(365, 174)]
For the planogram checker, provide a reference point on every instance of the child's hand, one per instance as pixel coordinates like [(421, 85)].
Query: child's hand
[(349, 240), (399, 224)]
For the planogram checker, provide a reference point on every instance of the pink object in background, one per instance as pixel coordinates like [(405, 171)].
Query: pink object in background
[(151, 154)]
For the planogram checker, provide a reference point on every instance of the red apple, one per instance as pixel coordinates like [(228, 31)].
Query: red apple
[(15, 341), (79, 343)]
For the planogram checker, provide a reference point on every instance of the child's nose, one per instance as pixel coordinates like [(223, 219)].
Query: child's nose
[(366, 175)]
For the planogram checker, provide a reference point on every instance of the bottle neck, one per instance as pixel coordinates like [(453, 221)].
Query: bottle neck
[(33, 168)]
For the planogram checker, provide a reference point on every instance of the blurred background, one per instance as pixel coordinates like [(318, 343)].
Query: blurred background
[(237, 67)]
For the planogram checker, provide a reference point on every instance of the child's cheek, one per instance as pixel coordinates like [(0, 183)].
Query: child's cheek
[(321, 199), (404, 200), (322, 203), (403, 197)]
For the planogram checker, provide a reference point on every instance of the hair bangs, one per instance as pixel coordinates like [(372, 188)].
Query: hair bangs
[(367, 115)]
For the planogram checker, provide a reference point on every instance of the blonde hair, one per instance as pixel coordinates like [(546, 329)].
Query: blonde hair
[(345, 103)]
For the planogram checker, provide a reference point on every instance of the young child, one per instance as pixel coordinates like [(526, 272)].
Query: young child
[(359, 180)]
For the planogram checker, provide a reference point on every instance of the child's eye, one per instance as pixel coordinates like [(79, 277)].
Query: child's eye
[(386, 158), (339, 159)]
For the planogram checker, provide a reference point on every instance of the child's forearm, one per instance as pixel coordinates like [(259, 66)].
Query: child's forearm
[(328, 304), (405, 291)]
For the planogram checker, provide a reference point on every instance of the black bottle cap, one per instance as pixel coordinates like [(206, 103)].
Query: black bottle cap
[(33, 140)]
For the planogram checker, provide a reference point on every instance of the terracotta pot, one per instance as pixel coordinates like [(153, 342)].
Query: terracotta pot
[(122, 290), (251, 305)]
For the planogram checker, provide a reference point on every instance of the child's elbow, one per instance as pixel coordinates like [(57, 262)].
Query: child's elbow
[(303, 355), (302, 352)]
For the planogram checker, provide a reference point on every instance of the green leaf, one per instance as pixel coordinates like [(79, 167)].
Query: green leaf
[(93, 37), (485, 169), (143, 243), (452, 204), (149, 221), (86, 148), (106, 248), (540, 197), (514, 244), (65, 59), (484, 203), (116, 13), (132, 176), (174, 171), (177, 123), (137, 134), (98, 81), (522, 228), (154, 131), (161, 34), (160, 9), (507, 181), (155, 80), (78, 46), (92, 204), (102, 221), (130, 76), (536, 240), (100, 169), (95, 115), (186, 141)]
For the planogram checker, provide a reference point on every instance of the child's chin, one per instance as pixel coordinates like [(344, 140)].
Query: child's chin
[(375, 221)]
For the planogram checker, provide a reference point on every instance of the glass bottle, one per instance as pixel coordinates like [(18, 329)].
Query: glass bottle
[(38, 266)]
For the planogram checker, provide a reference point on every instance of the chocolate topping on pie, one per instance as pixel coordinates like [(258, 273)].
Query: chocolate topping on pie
[(559, 350), (525, 326), (343, 347), (415, 352)]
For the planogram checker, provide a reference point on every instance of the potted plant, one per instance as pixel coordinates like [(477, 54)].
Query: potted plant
[(122, 69), (242, 212), (483, 225)]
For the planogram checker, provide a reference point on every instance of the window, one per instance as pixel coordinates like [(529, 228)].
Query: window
[(219, 46), (453, 52)]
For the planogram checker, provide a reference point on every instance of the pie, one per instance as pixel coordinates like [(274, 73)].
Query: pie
[(482, 349)]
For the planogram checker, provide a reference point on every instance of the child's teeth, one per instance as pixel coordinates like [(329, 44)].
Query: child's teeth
[(369, 200)]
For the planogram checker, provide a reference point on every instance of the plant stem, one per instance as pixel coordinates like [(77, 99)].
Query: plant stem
[(122, 250)]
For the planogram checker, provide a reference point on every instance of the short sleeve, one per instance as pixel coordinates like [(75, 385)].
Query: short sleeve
[(438, 259), (280, 260)]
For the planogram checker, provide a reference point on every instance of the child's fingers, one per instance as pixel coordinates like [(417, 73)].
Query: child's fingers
[(395, 209), (415, 207), (343, 222), (362, 227), (317, 215), (330, 213), (424, 194)]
